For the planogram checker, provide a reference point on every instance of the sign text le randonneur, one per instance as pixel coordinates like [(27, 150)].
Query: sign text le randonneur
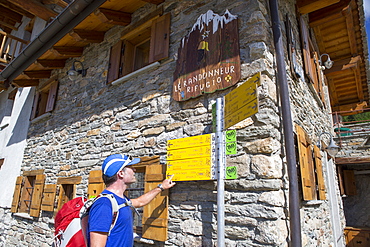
[(208, 57)]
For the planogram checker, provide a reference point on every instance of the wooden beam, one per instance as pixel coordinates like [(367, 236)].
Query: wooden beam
[(52, 63), (349, 109), (352, 160), (35, 8), (308, 6), (89, 36), (340, 65), (113, 17), (347, 13), (61, 3), (68, 51), (38, 74), (154, 1), (26, 82), (15, 8), (328, 14), (10, 14), (5, 24)]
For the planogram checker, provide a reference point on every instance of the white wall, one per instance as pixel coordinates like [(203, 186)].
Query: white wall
[(13, 142)]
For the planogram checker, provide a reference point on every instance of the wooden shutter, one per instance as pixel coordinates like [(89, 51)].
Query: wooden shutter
[(309, 62), (67, 189), (155, 215), (160, 38), (114, 62), (48, 198), (52, 96), (38, 189), (349, 182), (319, 173), (127, 61), (96, 184), (35, 105), (306, 166), (17, 194)]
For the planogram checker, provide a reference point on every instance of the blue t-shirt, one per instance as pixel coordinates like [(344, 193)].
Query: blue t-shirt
[(100, 220)]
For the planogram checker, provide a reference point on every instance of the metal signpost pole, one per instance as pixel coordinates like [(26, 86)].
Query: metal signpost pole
[(221, 157)]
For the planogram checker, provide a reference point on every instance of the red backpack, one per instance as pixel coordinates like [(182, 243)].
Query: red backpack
[(71, 220), (68, 232)]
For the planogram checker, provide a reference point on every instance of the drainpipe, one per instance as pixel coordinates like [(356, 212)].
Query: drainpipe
[(294, 215), (76, 12)]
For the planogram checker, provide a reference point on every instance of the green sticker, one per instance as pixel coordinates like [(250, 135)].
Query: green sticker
[(214, 118), (231, 172), (230, 136), (231, 148)]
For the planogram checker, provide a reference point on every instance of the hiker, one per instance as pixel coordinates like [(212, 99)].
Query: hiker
[(118, 174)]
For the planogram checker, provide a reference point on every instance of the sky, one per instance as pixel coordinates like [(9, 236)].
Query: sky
[(367, 16)]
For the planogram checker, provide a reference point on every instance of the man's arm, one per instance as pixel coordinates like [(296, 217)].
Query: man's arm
[(149, 196), (98, 239)]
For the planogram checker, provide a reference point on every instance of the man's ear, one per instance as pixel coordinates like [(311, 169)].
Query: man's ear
[(121, 174)]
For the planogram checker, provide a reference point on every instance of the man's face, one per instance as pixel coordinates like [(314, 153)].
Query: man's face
[(129, 175)]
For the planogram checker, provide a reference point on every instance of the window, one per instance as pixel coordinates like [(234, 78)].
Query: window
[(44, 100), (311, 60), (146, 44), (154, 216), (28, 193), (67, 189), (310, 164)]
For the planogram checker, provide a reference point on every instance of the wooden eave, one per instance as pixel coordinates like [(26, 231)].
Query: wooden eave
[(91, 30), (337, 30)]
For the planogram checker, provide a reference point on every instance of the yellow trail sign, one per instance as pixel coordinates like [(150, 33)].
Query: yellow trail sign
[(189, 153), (191, 175), (192, 141), (241, 114), (187, 164)]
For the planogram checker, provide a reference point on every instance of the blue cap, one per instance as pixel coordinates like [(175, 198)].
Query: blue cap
[(116, 162)]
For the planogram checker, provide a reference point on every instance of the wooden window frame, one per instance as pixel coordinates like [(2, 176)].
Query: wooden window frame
[(310, 165), (44, 100), (67, 189), (155, 214), (28, 193), (124, 56)]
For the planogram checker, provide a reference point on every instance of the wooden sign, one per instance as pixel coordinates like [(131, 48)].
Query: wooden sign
[(208, 57)]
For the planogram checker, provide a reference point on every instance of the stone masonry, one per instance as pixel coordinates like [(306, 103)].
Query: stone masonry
[(92, 120)]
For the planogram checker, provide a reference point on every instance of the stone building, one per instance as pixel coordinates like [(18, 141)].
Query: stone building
[(101, 77)]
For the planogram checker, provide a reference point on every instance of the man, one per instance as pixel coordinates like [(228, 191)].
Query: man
[(118, 174)]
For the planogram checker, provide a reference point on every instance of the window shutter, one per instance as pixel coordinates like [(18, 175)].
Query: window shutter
[(306, 166), (96, 183), (48, 197), (127, 61), (17, 194), (114, 62), (52, 97), (319, 173), (38, 189), (306, 46), (155, 215), (160, 38), (34, 106), (349, 182)]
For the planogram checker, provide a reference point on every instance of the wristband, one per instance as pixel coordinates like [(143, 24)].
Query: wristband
[(161, 187)]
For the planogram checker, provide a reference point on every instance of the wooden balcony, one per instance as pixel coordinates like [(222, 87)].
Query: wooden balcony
[(10, 47)]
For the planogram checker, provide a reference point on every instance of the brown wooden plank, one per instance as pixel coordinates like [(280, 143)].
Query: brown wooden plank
[(160, 38), (69, 51), (349, 182), (52, 63), (308, 6), (114, 61), (113, 17), (319, 173), (17, 194), (89, 36), (35, 8), (69, 180), (96, 183), (26, 82), (33, 172), (48, 199), (38, 74), (15, 8), (352, 160), (53, 90), (38, 190)]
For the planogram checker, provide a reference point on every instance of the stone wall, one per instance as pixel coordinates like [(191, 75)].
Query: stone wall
[(92, 120)]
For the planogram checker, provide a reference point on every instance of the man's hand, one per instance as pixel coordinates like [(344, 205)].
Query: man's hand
[(168, 183)]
